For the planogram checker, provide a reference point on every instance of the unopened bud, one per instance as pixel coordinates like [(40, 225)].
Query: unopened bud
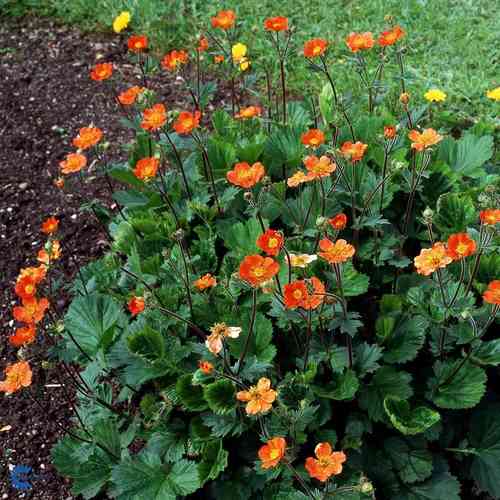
[(178, 235), (266, 181), (398, 165), (388, 18), (404, 98), (321, 222), (366, 487), (465, 314), (248, 196), (428, 214)]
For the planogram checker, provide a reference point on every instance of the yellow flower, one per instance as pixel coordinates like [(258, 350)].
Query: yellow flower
[(239, 51), (435, 95), (493, 94), (302, 259), (121, 21), (244, 64)]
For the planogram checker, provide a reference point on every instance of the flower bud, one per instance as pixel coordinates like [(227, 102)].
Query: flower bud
[(465, 314), (428, 215), (178, 235), (404, 98), (248, 196), (266, 181), (321, 222)]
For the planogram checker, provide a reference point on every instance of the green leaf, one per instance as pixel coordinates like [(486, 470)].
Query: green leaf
[(408, 421), (170, 443), (214, 461), (386, 381), (411, 459), (222, 156), (406, 340), (240, 238), (106, 433), (353, 282), (485, 438), (344, 386), (91, 319), (220, 396), (454, 389), (131, 198), (487, 353), (190, 395), (455, 211), (147, 343)]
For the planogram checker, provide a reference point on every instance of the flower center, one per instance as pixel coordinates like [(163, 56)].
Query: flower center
[(259, 271)]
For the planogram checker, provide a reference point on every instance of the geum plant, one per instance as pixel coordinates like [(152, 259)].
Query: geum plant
[(280, 314)]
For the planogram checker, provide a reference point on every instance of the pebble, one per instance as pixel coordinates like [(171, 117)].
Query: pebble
[(23, 186)]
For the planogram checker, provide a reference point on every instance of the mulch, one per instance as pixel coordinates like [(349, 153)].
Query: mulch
[(46, 95)]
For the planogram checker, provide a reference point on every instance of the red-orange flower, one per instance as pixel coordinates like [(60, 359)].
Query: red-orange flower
[(87, 137), (307, 294), (36, 273), (43, 255), (137, 43), (326, 464), (23, 336), (313, 138), (460, 245), (154, 118), (297, 178), (431, 259), (390, 131), (129, 96), (360, 41), (272, 452), (174, 59), (278, 23), (256, 270), (246, 176), (146, 168), (259, 398), (186, 122), (74, 162), (26, 288), (136, 305), (50, 225), (224, 19), (202, 44), (206, 367), (206, 281), (249, 112), (338, 222), (319, 167), (218, 59), (101, 71), (335, 253), (492, 293), (17, 376), (490, 217), (271, 242), (315, 47), (354, 151), (423, 140), (32, 310), (390, 37)]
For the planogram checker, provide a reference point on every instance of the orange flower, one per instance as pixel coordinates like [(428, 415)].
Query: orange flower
[(315, 47), (218, 59), (146, 168), (186, 122), (74, 162), (431, 259), (460, 245), (256, 270), (246, 176), (87, 137), (278, 23), (359, 41), (224, 20), (174, 59), (335, 253), (154, 118), (353, 151), (492, 293), (489, 217), (313, 138), (203, 44), (129, 96), (26, 288), (206, 367), (271, 242), (17, 376), (326, 464), (319, 167), (424, 140), (101, 71), (249, 112), (32, 310), (307, 294), (206, 281), (50, 225), (36, 273), (55, 253), (23, 336), (338, 222), (259, 398), (218, 333), (390, 132), (136, 305), (390, 37), (272, 452), (137, 43), (297, 178)]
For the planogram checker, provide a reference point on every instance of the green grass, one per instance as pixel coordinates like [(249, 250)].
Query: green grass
[(452, 44)]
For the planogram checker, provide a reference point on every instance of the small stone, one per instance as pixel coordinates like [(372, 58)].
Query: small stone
[(23, 186)]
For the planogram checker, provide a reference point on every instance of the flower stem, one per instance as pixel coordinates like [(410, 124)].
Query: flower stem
[(250, 331)]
